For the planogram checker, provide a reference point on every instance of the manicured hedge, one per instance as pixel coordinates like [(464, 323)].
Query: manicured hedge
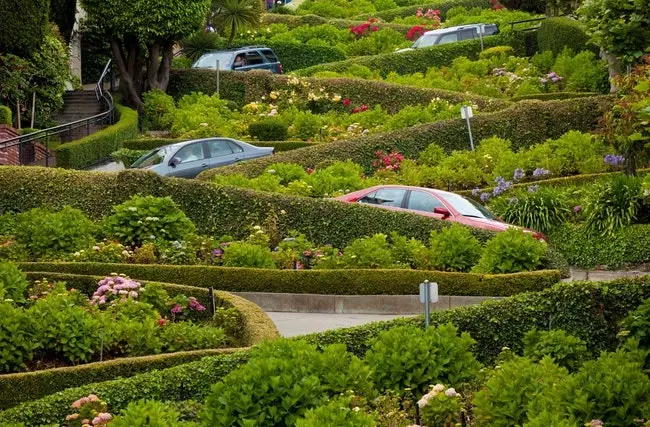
[(626, 246), (243, 88), (151, 143), (590, 311), (327, 282), (443, 6), (98, 146), (420, 60), (5, 116), (216, 211), (554, 96), (27, 386), (555, 34), (293, 21), (526, 123)]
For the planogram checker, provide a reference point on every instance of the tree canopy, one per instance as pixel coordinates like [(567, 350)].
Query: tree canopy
[(24, 24)]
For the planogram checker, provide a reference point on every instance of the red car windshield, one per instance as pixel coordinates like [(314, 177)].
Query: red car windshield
[(467, 207)]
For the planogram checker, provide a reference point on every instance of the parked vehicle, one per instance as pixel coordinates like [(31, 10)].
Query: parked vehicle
[(453, 35), (241, 59), (189, 158), (432, 203)]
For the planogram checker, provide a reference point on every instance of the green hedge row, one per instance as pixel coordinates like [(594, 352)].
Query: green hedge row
[(98, 146), (420, 60), (590, 311), (243, 88), (555, 34), (293, 21), (442, 5), (525, 123), (626, 246), (327, 282), (216, 211), (554, 96), (151, 143)]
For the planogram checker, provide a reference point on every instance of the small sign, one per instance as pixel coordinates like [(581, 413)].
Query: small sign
[(466, 112), (430, 290)]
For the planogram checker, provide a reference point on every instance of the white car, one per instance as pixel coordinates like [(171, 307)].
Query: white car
[(452, 35)]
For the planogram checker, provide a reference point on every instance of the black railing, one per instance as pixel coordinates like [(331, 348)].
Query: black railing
[(34, 148), (525, 21)]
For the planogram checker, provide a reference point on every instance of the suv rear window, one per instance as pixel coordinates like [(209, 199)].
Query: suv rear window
[(269, 55), (254, 58), (209, 60)]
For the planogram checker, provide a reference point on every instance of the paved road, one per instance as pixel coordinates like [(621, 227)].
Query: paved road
[(292, 324), (107, 167)]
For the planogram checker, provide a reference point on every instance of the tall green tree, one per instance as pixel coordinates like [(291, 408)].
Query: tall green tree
[(231, 15), (23, 26), (621, 28), (142, 34)]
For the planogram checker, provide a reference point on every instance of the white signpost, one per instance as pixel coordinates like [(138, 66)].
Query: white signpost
[(428, 294), (467, 113)]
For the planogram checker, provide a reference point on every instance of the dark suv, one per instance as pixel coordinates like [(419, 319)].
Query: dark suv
[(241, 59)]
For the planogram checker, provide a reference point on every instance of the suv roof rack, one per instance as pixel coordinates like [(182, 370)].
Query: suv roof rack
[(248, 47)]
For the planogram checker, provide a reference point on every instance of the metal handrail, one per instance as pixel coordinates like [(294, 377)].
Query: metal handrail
[(44, 134), (512, 24)]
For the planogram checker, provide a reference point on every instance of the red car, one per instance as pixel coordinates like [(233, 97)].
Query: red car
[(433, 203)]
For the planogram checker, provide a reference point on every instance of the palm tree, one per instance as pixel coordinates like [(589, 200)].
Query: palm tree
[(234, 14)]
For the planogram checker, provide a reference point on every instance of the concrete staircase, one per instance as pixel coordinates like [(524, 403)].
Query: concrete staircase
[(78, 105)]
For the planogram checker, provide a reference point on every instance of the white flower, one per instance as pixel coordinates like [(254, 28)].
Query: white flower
[(283, 212), (451, 392), (257, 227), (271, 171), (95, 248), (76, 254), (356, 409), (133, 209), (438, 388)]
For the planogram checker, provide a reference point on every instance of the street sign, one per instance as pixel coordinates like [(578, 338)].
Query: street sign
[(428, 294)]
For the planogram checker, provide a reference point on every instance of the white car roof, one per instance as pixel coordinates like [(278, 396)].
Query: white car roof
[(451, 29)]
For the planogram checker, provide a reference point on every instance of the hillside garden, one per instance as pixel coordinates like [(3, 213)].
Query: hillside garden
[(117, 289)]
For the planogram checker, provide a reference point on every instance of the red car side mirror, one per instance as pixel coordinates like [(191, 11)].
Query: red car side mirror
[(442, 211)]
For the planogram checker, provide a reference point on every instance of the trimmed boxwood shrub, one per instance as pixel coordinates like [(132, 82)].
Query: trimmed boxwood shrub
[(526, 123), (271, 129), (243, 88), (590, 311), (443, 6), (5, 116), (327, 282), (555, 34), (98, 146), (554, 96), (293, 21), (215, 210), (420, 60)]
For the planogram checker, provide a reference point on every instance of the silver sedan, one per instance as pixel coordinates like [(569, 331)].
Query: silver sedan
[(187, 159)]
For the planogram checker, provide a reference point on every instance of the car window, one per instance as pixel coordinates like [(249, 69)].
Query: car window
[(269, 55), (468, 207), (421, 201), (448, 38), (152, 158), (209, 60), (425, 41), (190, 153), (467, 34), (387, 197), (218, 148), (254, 58), (236, 148)]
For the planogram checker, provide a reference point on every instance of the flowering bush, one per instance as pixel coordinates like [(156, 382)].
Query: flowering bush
[(90, 411), (441, 406), (415, 32), (511, 251), (115, 287), (364, 29), (387, 161)]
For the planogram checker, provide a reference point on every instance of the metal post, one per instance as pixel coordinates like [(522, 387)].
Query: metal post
[(480, 35), (469, 129), (47, 150), (218, 76), (427, 308), (213, 308)]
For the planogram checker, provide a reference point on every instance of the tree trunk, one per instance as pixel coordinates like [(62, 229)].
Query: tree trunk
[(614, 66), (233, 28), (128, 59), (158, 69)]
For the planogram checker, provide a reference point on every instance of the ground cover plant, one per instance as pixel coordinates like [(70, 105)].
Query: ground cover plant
[(500, 74)]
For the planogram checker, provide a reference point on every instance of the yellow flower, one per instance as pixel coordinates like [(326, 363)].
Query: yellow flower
[(336, 98)]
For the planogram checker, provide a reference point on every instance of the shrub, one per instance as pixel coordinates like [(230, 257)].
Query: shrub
[(565, 350), (272, 129), (541, 209), (407, 357), (613, 389), (15, 340), (144, 413), (283, 380), (13, 282), (126, 156), (98, 146), (636, 327), (306, 125), (511, 251), (368, 252), (441, 406), (185, 336), (5, 116), (243, 254), (25, 30), (198, 43), (336, 412), (158, 109), (498, 52), (49, 234), (502, 400), (144, 219), (612, 205), (454, 249), (432, 155), (555, 34)]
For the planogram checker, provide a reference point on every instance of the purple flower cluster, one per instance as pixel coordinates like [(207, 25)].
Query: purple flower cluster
[(502, 186), (115, 286), (475, 192), (499, 72), (194, 304), (540, 172), (177, 309), (485, 197), (519, 174), (614, 160), (533, 188), (552, 76)]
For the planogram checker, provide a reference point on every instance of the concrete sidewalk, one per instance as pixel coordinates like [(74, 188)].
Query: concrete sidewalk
[(293, 324)]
